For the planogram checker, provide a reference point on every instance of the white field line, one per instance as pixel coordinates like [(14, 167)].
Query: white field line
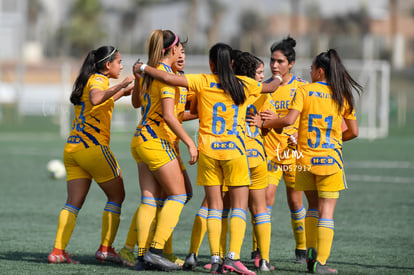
[(370, 178), (379, 164)]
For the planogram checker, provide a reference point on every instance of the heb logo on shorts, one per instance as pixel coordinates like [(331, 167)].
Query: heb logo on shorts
[(322, 161), (227, 145)]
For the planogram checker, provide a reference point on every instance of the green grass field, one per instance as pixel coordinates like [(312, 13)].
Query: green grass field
[(373, 218)]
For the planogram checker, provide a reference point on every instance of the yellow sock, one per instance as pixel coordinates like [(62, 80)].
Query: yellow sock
[(325, 238), (66, 224), (311, 222), (254, 239), (110, 223), (131, 239), (199, 230), (168, 245), (214, 230), (297, 219), (224, 231), (263, 227), (145, 218), (237, 230), (168, 219)]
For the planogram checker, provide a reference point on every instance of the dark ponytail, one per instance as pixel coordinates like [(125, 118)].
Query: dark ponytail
[(94, 62), (220, 56), (338, 77)]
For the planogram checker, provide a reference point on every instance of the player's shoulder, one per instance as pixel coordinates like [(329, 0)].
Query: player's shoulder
[(300, 81)]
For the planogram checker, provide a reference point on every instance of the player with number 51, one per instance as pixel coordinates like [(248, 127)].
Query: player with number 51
[(321, 106)]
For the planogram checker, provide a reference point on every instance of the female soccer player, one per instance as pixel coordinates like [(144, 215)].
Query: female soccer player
[(247, 64), (221, 102), (87, 154), (126, 254), (280, 153), (321, 106), (153, 149)]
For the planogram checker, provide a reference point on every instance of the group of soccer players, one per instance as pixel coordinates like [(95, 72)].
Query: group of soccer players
[(251, 133)]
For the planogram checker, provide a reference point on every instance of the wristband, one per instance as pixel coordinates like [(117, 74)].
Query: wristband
[(278, 77), (142, 68)]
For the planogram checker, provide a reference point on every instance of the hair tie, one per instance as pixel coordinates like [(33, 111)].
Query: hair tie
[(109, 55), (175, 41)]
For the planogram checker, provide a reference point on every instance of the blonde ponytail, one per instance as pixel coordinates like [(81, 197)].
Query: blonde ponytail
[(155, 55)]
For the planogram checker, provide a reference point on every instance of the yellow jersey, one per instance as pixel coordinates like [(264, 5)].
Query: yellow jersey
[(320, 134), (276, 145), (179, 107), (254, 141), (152, 124), (222, 123), (92, 124)]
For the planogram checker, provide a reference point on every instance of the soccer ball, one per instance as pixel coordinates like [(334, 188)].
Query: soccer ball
[(56, 169)]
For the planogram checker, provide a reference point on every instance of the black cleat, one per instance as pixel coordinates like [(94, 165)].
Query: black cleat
[(300, 256), (190, 262)]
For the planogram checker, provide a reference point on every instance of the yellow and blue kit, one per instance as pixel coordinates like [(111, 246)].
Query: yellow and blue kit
[(276, 145), (152, 132), (152, 124), (92, 124), (87, 153), (320, 134), (222, 123)]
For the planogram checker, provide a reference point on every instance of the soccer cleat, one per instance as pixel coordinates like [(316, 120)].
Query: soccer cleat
[(207, 266), (265, 266), (140, 264), (159, 262), (236, 266), (318, 268), (107, 254), (172, 258), (310, 258), (190, 262), (126, 256), (216, 268), (255, 258), (300, 256), (61, 258)]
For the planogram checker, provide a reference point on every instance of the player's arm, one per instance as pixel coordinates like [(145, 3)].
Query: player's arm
[(352, 131), (189, 116), (172, 121), (271, 86), (194, 105), (136, 94), (170, 79), (117, 91), (269, 119)]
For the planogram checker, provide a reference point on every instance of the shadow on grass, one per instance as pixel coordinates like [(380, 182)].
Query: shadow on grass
[(35, 257)]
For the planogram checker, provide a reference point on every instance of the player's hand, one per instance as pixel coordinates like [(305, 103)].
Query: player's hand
[(128, 90), (268, 115), (293, 139), (128, 80), (254, 120), (136, 68), (193, 151)]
